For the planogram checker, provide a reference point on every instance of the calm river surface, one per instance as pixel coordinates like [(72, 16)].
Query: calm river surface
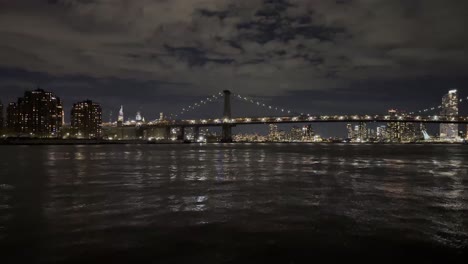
[(232, 203)]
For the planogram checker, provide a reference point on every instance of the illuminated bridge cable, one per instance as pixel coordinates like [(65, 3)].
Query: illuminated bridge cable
[(196, 105), (430, 109), (265, 106)]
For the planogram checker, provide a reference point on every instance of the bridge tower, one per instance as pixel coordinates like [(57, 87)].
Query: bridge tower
[(227, 129)]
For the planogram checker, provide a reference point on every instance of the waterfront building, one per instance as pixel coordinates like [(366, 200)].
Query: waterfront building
[(360, 133), (273, 132), (295, 134), (307, 133), (38, 113), (449, 108), (86, 120), (402, 131), (381, 133), (12, 119)]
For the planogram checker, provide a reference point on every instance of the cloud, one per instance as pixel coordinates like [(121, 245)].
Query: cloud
[(265, 47)]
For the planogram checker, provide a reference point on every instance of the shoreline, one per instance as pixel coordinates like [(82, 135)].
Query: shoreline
[(32, 142)]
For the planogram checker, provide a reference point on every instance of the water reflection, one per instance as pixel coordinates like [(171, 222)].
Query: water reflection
[(77, 194)]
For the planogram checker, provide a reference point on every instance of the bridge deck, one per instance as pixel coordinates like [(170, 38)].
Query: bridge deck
[(314, 119)]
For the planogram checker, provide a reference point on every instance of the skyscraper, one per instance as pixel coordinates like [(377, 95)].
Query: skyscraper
[(86, 119), (400, 131), (38, 113), (273, 132), (12, 119), (295, 134), (349, 129), (307, 133), (449, 108)]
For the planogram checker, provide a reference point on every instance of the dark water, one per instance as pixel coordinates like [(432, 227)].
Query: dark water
[(259, 203)]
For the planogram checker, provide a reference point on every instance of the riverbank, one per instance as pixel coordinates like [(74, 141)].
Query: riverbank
[(28, 141), (32, 141)]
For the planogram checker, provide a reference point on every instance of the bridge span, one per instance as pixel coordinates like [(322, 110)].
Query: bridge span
[(227, 122)]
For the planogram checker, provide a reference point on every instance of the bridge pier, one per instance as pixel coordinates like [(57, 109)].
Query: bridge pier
[(196, 133), (227, 128), (167, 133), (181, 135)]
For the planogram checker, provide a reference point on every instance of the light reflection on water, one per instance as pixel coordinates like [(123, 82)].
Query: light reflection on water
[(60, 196)]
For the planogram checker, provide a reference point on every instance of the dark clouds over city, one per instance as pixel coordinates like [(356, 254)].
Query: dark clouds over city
[(309, 55)]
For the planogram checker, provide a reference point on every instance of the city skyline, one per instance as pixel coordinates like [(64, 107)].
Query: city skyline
[(41, 113), (336, 56)]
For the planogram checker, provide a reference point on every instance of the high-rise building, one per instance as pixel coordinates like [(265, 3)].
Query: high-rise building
[(307, 133), (273, 132), (295, 134), (360, 132), (381, 133), (401, 131), (349, 129), (38, 113), (12, 119), (449, 108), (86, 119)]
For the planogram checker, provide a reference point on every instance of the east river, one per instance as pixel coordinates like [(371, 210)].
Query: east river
[(233, 203)]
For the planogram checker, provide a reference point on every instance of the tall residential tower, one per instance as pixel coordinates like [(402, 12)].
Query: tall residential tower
[(38, 113), (449, 108), (86, 119)]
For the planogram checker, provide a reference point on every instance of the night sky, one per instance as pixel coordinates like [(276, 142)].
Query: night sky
[(343, 56)]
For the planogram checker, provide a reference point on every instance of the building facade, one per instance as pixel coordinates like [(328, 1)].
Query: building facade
[(37, 114), (86, 120), (402, 131), (449, 108)]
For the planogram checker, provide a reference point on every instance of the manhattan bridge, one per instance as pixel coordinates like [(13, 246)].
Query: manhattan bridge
[(226, 121)]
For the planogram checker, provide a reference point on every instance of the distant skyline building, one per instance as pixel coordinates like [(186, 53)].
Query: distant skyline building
[(350, 131), (307, 133), (449, 108), (38, 113), (86, 119), (273, 132), (381, 133), (296, 134), (120, 119), (138, 117)]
